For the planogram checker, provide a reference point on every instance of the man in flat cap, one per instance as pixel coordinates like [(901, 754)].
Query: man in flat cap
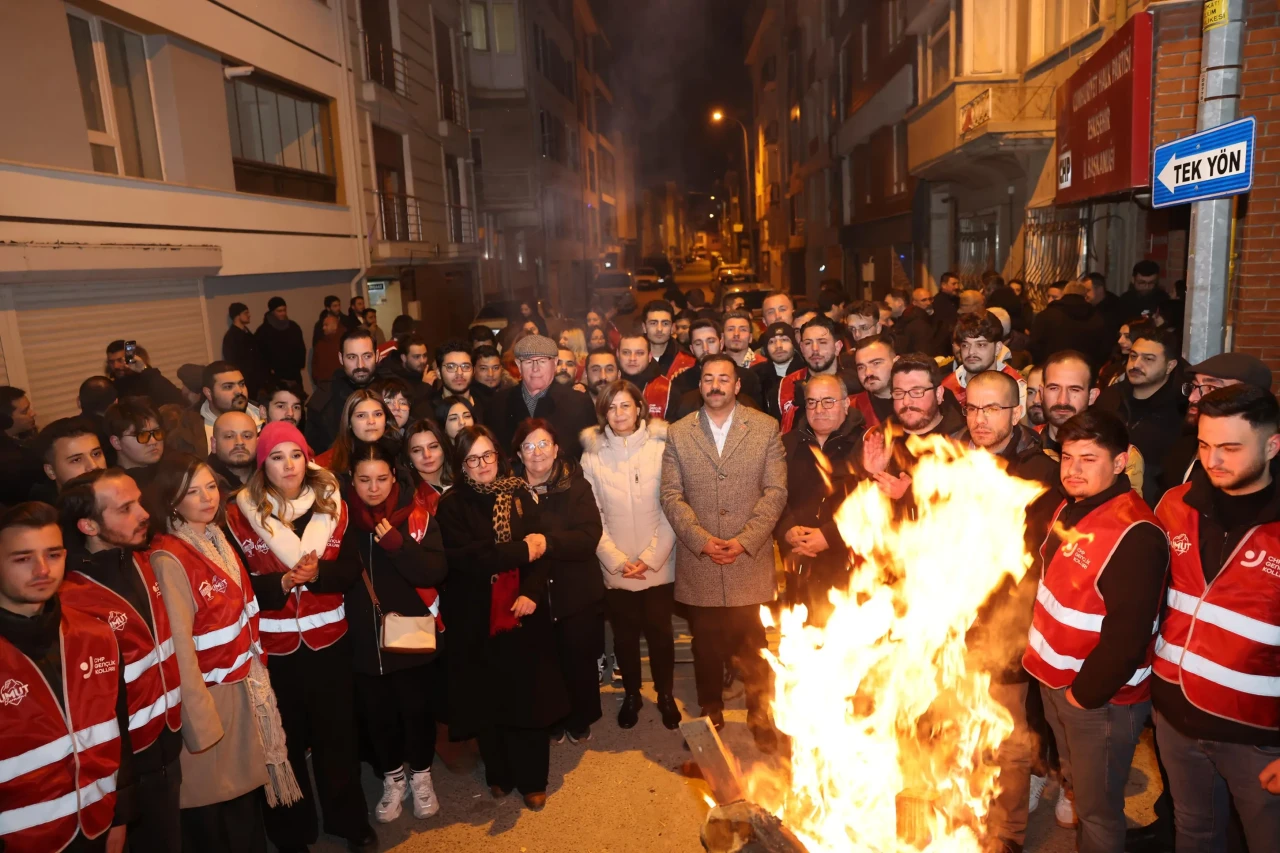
[(538, 396)]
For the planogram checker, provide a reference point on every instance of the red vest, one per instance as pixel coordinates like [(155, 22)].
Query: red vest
[(953, 384), (317, 619), (151, 676), (225, 630), (1068, 613), (682, 362), (58, 767), (657, 394), (862, 402), (1221, 641), (787, 396)]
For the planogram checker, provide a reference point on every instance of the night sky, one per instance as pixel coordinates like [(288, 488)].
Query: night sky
[(679, 59)]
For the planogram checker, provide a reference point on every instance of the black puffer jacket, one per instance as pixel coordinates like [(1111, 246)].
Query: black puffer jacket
[(1155, 424), (571, 523)]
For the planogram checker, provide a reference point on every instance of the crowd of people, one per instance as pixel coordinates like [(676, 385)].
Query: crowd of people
[(205, 584)]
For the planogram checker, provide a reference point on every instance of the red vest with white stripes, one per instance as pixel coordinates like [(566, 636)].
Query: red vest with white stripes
[(682, 362), (657, 396), (151, 676), (1067, 620), (1221, 641), (953, 384), (225, 630), (787, 396), (58, 767), (862, 402), (317, 619)]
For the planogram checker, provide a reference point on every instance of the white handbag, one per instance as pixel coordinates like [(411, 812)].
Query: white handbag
[(412, 635)]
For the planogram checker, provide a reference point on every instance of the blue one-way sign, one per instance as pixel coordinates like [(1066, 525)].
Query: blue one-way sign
[(1214, 163)]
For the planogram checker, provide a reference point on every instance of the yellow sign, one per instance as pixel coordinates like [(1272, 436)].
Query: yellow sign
[(1215, 14)]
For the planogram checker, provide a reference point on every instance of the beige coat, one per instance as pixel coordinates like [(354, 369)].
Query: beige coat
[(739, 493), (222, 755)]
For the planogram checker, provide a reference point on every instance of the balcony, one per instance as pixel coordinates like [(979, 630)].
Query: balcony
[(505, 188), (399, 217), (407, 227), (461, 223), (453, 109)]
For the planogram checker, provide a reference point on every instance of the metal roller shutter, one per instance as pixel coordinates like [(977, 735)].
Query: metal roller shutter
[(64, 330), (4, 368)]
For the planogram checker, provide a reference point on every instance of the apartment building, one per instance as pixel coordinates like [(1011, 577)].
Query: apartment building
[(160, 159), (415, 177), (550, 141)]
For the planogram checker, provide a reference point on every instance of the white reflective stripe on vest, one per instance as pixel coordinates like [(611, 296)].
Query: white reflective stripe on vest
[(57, 749), (1066, 615), (16, 820), (1059, 661), (215, 676), (213, 639), (166, 649), (306, 623), (156, 709), (1227, 620), (135, 669), (1254, 685)]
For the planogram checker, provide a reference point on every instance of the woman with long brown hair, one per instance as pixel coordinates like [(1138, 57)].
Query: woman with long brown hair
[(233, 740), (290, 523), (365, 417)]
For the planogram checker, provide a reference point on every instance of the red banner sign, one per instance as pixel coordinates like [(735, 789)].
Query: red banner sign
[(1104, 118)]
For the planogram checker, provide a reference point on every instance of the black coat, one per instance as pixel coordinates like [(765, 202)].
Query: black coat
[(917, 331), (396, 577), (151, 384), (512, 679), (22, 470), (813, 497), (571, 523), (569, 411), (283, 351), (1071, 323), (769, 382), (324, 411), (1155, 425), (240, 347)]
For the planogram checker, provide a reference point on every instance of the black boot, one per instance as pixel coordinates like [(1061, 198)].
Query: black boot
[(629, 713), (670, 713)]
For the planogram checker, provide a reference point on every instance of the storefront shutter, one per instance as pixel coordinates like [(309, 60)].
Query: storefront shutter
[(64, 330)]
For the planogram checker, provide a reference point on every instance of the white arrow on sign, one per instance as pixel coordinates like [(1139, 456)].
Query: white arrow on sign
[(1212, 164)]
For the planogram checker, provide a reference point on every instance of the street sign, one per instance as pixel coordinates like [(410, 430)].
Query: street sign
[(1211, 164)]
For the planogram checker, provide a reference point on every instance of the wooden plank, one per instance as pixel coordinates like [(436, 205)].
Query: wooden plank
[(719, 767)]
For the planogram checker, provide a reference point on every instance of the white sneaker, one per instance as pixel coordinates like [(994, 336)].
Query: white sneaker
[(425, 803), (394, 792), (1037, 790), (1064, 812)]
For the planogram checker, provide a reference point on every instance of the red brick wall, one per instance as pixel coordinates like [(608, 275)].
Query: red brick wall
[(1255, 305)]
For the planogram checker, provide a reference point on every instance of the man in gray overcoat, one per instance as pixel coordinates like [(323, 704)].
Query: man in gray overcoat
[(724, 486)]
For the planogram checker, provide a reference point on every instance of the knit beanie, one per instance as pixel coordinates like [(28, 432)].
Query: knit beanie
[(280, 432)]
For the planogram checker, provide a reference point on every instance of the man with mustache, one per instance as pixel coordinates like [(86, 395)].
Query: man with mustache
[(705, 340), (566, 366), (978, 338), (358, 361), (109, 576), (873, 358), (224, 390), (602, 368), (1035, 397), (1149, 402), (232, 451)]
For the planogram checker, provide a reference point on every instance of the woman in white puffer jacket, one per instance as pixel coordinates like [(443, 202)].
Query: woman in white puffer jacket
[(622, 459)]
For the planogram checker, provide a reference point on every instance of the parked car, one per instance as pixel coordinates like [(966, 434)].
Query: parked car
[(616, 286), (497, 315), (660, 265), (648, 278)]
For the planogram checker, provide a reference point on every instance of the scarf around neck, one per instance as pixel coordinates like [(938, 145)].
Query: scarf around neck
[(367, 517), (503, 488), (285, 544)]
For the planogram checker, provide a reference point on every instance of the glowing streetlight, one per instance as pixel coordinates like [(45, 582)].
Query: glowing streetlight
[(717, 116), (711, 216), (713, 198)]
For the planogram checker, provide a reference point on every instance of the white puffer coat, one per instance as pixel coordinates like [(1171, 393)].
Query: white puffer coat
[(626, 474)]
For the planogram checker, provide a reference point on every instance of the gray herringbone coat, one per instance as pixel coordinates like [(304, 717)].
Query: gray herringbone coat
[(738, 494)]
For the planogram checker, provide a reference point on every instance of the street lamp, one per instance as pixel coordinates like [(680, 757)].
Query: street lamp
[(718, 116)]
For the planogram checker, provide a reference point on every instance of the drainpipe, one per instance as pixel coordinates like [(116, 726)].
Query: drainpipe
[(352, 132)]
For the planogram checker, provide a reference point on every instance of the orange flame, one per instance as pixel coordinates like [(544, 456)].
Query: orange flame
[(892, 729)]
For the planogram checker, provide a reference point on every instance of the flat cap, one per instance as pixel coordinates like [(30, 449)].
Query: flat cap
[(535, 346), (1236, 365)]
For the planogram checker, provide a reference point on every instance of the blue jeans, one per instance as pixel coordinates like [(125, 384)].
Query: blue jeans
[(1204, 777), (1096, 747)]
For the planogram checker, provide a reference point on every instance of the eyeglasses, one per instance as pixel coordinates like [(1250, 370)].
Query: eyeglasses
[(825, 402), (913, 393), (146, 436), (535, 363), (457, 368), (486, 458), (987, 411), (1188, 388), (530, 446)]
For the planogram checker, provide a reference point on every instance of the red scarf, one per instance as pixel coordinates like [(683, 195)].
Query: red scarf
[(367, 517)]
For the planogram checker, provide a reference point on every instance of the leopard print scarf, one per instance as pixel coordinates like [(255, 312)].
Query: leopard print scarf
[(504, 488)]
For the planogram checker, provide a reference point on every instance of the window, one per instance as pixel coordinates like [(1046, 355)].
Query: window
[(504, 27), (895, 15), (607, 175), (281, 143), (591, 170), (479, 23), (938, 57), (608, 223), (846, 189), (866, 50), (604, 115), (1052, 24), (899, 184), (122, 126), (846, 80), (769, 71)]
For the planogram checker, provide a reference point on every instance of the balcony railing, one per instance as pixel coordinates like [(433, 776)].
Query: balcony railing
[(453, 105), (399, 217), (504, 187), (462, 224), (385, 65)]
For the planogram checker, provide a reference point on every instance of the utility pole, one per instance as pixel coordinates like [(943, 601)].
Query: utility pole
[(1208, 267)]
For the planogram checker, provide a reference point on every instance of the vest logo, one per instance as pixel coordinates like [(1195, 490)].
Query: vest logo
[(155, 587), (13, 692), (1076, 554), (220, 585), (1253, 559), (1181, 544), (334, 542), (97, 666), (206, 591), (117, 620), (253, 546)]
